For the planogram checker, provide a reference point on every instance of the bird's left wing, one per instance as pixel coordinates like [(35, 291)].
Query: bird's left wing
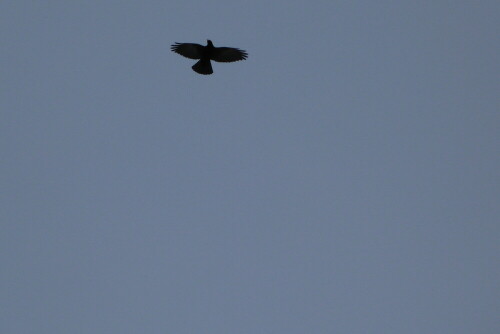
[(188, 50), (226, 55)]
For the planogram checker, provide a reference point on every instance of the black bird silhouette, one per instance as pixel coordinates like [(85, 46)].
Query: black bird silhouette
[(207, 53)]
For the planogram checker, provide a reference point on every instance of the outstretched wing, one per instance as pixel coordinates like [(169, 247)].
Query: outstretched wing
[(226, 55), (188, 50)]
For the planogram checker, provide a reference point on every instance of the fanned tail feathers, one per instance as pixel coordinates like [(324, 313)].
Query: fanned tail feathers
[(203, 67)]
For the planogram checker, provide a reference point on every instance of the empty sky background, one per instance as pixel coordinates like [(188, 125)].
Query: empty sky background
[(343, 179)]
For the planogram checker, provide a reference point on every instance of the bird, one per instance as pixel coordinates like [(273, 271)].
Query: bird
[(207, 53)]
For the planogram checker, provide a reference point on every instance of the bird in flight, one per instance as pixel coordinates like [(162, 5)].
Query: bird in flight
[(207, 53)]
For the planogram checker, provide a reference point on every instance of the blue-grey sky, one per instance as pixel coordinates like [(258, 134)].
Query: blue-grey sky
[(343, 179)]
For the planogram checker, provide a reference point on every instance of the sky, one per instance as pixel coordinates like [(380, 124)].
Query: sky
[(342, 179)]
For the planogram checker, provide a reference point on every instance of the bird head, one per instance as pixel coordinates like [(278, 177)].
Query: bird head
[(209, 43)]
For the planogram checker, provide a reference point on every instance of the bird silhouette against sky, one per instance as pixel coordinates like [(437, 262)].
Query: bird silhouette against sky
[(207, 53)]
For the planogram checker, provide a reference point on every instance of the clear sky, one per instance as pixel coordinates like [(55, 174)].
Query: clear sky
[(343, 179)]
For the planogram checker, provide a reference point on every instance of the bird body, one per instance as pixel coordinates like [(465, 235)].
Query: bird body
[(207, 53)]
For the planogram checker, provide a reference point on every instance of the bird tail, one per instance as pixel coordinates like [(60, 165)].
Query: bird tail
[(203, 66)]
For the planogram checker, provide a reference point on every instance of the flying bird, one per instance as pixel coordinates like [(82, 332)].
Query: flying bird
[(207, 53)]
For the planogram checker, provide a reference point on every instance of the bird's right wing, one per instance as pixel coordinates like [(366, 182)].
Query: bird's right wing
[(188, 50), (226, 55)]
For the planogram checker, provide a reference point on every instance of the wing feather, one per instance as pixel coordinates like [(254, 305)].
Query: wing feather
[(188, 50), (226, 55)]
